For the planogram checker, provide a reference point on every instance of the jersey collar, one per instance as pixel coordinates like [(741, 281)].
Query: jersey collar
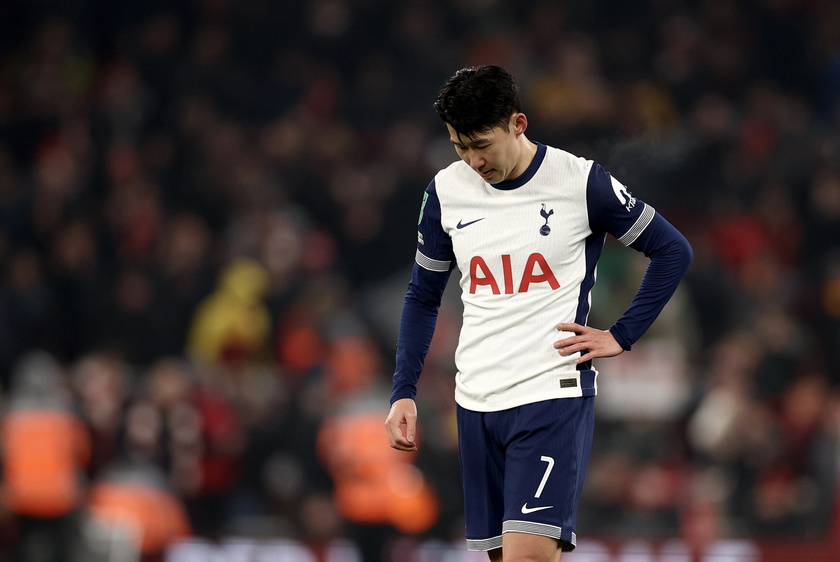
[(529, 172)]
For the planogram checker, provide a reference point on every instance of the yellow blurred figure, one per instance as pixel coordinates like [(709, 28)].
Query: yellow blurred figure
[(233, 323)]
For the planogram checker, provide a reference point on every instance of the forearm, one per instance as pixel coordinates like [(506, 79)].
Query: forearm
[(417, 327)]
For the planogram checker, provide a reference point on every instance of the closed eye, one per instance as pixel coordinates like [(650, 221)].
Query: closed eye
[(461, 147)]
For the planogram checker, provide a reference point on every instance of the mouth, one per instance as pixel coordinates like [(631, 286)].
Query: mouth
[(486, 174)]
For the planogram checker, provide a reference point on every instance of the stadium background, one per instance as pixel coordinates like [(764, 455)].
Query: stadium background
[(207, 225)]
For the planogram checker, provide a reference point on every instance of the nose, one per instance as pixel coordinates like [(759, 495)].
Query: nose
[(475, 160)]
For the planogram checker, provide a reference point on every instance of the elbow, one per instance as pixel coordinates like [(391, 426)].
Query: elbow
[(678, 253), (686, 253)]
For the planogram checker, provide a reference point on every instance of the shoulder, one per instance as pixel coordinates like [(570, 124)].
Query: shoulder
[(562, 168), (557, 157)]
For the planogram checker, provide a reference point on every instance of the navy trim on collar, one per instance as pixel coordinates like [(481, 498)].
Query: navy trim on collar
[(528, 174)]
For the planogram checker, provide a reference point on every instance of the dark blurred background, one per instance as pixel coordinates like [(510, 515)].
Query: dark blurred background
[(207, 224)]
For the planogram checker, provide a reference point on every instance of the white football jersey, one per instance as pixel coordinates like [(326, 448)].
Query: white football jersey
[(527, 250)]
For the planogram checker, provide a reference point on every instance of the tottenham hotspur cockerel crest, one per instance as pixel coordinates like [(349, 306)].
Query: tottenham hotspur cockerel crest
[(545, 229)]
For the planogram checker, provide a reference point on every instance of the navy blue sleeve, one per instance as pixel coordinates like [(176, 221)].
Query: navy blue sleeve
[(670, 255), (417, 326), (614, 210), (433, 265)]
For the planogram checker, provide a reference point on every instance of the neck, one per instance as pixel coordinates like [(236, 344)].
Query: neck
[(527, 151)]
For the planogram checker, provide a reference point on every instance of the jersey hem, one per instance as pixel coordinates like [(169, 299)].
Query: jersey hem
[(588, 387)]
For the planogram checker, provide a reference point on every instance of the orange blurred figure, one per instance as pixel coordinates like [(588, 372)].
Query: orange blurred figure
[(135, 501), (45, 449)]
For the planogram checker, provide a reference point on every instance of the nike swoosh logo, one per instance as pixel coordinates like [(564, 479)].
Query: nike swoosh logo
[(526, 510), (461, 225)]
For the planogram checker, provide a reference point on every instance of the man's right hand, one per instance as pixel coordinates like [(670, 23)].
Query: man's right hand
[(401, 425)]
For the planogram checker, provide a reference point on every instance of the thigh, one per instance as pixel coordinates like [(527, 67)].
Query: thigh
[(482, 473), (545, 465)]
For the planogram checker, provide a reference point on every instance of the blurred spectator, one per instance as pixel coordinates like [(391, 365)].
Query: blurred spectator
[(182, 421), (103, 384), (45, 450), (233, 324), (378, 491), (134, 514)]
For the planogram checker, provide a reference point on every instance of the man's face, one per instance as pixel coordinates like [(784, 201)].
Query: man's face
[(495, 154)]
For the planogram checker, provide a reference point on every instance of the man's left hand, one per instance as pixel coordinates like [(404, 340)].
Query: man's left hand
[(592, 342)]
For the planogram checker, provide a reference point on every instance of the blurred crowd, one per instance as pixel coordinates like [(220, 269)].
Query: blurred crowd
[(207, 226)]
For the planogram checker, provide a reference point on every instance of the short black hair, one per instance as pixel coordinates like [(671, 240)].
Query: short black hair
[(477, 98)]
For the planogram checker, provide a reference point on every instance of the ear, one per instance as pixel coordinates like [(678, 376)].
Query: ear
[(519, 122)]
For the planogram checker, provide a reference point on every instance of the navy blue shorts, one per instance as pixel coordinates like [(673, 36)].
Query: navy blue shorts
[(523, 469)]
